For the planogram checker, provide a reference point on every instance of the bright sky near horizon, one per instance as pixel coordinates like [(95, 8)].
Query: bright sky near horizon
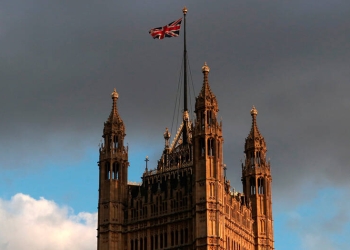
[(60, 60)]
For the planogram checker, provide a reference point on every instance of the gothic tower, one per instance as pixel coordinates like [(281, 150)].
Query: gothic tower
[(209, 179), (256, 179), (113, 176)]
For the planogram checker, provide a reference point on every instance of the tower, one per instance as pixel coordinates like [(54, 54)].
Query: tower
[(209, 179), (256, 179), (113, 176), (185, 201)]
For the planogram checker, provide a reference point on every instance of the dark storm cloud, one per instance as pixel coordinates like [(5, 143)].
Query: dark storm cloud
[(60, 61)]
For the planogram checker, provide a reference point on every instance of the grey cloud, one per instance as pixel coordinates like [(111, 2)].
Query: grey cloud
[(61, 60)]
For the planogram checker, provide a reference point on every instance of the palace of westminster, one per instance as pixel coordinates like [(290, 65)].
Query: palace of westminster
[(186, 201)]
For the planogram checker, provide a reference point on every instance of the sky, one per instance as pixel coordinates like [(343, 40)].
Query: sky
[(59, 63)]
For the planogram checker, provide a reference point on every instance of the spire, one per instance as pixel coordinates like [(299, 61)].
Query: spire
[(205, 95), (114, 122), (166, 137), (254, 141), (114, 115), (254, 131), (206, 88)]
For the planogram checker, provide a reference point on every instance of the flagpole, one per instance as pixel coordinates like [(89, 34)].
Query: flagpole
[(185, 117), (184, 10)]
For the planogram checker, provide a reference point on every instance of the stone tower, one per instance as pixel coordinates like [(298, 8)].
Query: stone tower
[(185, 201), (113, 176), (209, 179), (256, 179)]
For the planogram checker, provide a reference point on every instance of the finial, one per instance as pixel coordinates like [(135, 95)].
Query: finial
[(184, 10), (205, 68), (253, 111), (186, 116), (146, 160), (166, 134), (114, 94)]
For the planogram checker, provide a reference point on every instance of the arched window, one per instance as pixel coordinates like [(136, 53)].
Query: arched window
[(165, 239), (261, 186), (115, 141), (132, 244), (108, 171), (115, 171), (252, 159), (145, 243), (186, 235), (110, 144), (252, 186), (210, 147), (136, 245), (202, 146), (141, 244), (202, 120), (209, 117)]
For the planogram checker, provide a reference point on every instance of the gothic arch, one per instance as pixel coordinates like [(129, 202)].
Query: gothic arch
[(210, 146), (115, 171), (252, 186), (261, 186), (108, 170)]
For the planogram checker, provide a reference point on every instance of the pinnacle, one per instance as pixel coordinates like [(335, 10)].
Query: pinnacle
[(206, 91), (254, 131), (114, 115)]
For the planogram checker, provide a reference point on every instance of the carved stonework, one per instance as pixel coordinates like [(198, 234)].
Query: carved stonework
[(185, 201)]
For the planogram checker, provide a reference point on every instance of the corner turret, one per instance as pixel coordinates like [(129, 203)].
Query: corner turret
[(256, 179), (113, 181)]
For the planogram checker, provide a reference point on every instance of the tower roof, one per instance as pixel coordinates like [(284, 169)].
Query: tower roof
[(254, 131), (206, 96), (114, 115), (114, 118), (254, 139)]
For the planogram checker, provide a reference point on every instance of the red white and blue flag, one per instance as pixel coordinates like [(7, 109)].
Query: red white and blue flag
[(170, 30)]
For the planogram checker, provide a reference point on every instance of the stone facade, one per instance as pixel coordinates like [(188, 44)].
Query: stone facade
[(186, 202)]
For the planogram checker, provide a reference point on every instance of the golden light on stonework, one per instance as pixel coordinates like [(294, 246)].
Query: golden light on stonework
[(166, 134), (205, 67), (253, 111), (114, 94)]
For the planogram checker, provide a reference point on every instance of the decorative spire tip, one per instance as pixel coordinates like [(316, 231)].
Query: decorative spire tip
[(205, 68), (166, 134), (184, 10), (114, 94), (253, 111)]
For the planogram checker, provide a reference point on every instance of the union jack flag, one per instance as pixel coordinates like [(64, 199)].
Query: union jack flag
[(170, 30)]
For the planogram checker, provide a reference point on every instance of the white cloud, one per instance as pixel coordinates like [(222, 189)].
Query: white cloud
[(27, 223)]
